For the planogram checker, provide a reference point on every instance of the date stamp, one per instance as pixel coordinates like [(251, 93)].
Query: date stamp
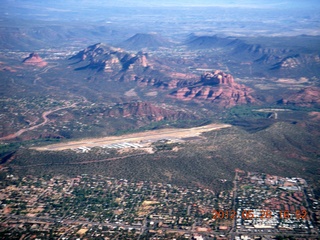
[(258, 214)]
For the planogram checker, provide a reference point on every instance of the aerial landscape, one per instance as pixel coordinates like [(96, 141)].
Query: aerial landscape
[(160, 120)]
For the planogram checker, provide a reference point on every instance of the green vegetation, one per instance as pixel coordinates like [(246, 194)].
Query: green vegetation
[(250, 111), (164, 145), (244, 112), (7, 148)]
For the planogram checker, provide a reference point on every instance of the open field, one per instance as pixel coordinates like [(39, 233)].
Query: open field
[(143, 137)]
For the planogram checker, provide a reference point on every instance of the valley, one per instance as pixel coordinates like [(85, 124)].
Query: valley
[(154, 120)]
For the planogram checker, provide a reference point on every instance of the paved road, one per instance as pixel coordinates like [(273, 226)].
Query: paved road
[(154, 135), (234, 226), (46, 220), (45, 121)]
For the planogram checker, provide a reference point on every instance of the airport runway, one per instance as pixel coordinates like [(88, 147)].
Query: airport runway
[(140, 138)]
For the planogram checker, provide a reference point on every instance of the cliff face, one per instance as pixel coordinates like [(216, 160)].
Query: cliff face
[(109, 59), (217, 78), (216, 87), (35, 60), (118, 64), (296, 61)]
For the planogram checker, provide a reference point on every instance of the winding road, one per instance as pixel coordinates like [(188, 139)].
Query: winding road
[(45, 121)]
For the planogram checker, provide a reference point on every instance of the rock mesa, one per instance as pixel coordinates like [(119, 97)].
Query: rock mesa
[(35, 60)]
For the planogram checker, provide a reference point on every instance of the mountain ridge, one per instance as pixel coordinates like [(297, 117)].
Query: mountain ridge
[(145, 40)]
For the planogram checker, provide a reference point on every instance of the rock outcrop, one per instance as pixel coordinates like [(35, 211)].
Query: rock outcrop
[(35, 60), (109, 59), (5, 68), (120, 65), (216, 87), (217, 78), (296, 61)]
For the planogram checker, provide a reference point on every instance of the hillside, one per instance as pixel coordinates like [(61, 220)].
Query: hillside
[(197, 162), (307, 97), (145, 41), (207, 42)]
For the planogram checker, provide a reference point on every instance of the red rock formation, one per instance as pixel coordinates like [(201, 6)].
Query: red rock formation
[(315, 116), (4, 68), (146, 110), (216, 87), (306, 97), (217, 77), (35, 60), (142, 60)]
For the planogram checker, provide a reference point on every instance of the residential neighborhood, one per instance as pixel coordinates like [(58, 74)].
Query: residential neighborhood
[(87, 207)]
